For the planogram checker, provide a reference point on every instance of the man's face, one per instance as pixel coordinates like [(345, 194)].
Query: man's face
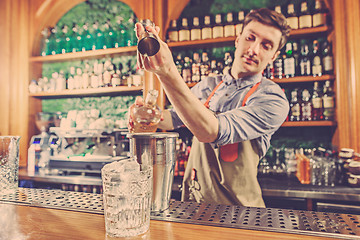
[(256, 46)]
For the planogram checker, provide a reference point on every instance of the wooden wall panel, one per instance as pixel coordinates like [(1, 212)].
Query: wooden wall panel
[(347, 63), (14, 44)]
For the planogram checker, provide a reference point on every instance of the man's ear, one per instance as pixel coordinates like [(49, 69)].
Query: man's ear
[(275, 55), (237, 40)]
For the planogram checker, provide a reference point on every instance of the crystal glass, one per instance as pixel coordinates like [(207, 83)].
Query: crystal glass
[(9, 164), (146, 117), (127, 192)]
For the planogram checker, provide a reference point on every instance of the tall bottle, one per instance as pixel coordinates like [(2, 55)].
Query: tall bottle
[(305, 63), (291, 17), (295, 107), (218, 29), (195, 68), (75, 39), (305, 18), (44, 42), (52, 41), (87, 38), (179, 63), (239, 22), (319, 16), (289, 61), (206, 31), (173, 32), (316, 67), (147, 117), (327, 57), (278, 66), (316, 100), (306, 106), (184, 31), (130, 35), (205, 65), (195, 32), (328, 102), (229, 28), (228, 60), (186, 71)]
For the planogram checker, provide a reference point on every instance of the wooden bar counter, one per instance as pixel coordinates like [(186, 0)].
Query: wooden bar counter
[(37, 214), (37, 223)]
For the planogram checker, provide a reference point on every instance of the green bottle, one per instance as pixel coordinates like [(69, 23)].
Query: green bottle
[(86, 38)]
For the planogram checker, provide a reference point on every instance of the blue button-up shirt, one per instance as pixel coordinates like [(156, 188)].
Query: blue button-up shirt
[(264, 112)]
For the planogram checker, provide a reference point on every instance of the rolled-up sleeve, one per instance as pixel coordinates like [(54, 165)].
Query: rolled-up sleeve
[(263, 114)]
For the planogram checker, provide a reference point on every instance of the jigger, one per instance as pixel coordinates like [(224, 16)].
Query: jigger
[(148, 44)]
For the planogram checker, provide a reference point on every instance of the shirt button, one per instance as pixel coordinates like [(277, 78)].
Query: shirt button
[(226, 95)]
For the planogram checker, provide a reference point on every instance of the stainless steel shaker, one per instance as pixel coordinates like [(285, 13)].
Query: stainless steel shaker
[(148, 44)]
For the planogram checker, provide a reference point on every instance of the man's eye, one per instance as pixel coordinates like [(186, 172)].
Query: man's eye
[(249, 38), (267, 46)]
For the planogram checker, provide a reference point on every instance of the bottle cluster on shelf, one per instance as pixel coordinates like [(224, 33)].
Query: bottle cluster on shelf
[(307, 57), (316, 106), (183, 148), (88, 36), (302, 16), (231, 23), (199, 66), (94, 74)]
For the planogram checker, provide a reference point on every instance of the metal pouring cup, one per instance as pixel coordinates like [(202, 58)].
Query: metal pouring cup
[(148, 44), (158, 149)]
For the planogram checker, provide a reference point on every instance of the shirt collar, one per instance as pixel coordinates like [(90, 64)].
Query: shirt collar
[(242, 82)]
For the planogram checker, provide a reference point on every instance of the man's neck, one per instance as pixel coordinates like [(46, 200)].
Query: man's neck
[(236, 75)]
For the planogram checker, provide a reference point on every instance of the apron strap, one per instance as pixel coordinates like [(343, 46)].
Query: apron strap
[(229, 152)]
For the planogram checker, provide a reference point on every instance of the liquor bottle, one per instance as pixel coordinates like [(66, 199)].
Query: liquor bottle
[(195, 68), (94, 32), (62, 43), (305, 18), (278, 9), (269, 71), (75, 39), (289, 61), (305, 64), (108, 35), (195, 32), (119, 29), (316, 100), (327, 58), (206, 31), (278, 66), (108, 68), (186, 71), (130, 35), (306, 106), (291, 17), (296, 54), (213, 68), (184, 32), (218, 28), (52, 41), (229, 27), (86, 76), (316, 67), (100, 37), (87, 38), (78, 78), (239, 23), (44, 48), (295, 107), (116, 77), (179, 63), (227, 62), (147, 117), (70, 80), (205, 65), (173, 32), (320, 15), (328, 102)]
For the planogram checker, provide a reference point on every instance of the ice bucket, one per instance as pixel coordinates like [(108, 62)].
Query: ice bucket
[(157, 149)]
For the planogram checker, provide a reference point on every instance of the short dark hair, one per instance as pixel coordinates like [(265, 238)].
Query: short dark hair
[(271, 18)]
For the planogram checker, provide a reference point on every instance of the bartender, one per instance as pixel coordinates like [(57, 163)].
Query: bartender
[(232, 116)]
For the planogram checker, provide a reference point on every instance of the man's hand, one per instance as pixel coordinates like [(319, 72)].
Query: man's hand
[(139, 101)]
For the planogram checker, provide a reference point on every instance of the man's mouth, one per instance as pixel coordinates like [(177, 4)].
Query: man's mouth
[(250, 60)]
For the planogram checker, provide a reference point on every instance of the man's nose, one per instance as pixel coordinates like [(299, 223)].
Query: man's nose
[(254, 48)]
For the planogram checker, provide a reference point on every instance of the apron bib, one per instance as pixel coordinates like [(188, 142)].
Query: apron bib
[(225, 175)]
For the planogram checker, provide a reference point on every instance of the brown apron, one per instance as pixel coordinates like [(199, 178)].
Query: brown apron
[(225, 175)]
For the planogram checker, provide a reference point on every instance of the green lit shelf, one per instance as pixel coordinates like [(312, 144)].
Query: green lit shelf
[(84, 55), (106, 91), (309, 124)]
